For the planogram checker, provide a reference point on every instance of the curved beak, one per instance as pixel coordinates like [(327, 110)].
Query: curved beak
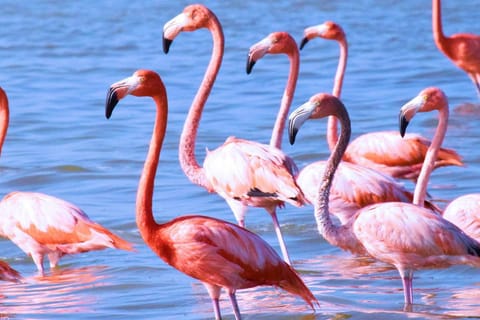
[(304, 42), (171, 29), (118, 91), (297, 118), (408, 111), (312, 32), (257, 51)]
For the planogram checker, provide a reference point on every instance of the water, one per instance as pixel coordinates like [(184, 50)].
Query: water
[(57, 61)]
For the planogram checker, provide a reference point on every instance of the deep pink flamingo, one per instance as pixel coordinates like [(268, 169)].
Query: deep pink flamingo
[(278, 43), (384, 151), (218, 253), (244, 173), (406, 235), (42, 225), (463, 49)]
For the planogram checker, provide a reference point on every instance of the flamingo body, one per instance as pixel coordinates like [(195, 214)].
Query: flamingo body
[(42, 225), (218, 253), (464, 212)]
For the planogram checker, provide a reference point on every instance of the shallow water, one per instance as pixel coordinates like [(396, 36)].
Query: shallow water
[(58, 60)]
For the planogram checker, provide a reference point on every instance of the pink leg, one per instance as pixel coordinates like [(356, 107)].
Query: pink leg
[(214, 293), (407, 278), (281, 241), (236, 310)]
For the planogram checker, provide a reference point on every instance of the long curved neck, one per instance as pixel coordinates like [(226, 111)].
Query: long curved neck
[(188, 137), (332, 233), (438, 35), (4, 117), (279, 127), (332, 127), (144, 212), (430, 158)]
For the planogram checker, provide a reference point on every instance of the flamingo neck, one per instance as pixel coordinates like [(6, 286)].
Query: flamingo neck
[(332, 233), (144, 213), (430, 158), (279, 127), (188, 137), (4, 117), (332, 127), (438, 35)]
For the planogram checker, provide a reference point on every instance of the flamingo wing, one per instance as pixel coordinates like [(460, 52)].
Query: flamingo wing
[(252, 173), (399, 157)]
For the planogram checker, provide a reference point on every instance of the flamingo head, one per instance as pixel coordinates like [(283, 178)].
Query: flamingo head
[(327, 30), (141, 84), (318, 106), (193, 17), (431, 98), (274, 43)]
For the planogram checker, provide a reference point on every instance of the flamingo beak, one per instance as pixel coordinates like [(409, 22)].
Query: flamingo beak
[(118, 91), (257, 51), (171, 29), (297, 118), (304, 42), (408, 111)]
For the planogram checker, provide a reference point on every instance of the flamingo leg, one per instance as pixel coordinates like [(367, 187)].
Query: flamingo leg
[(214, 293), (407, 279), (476, 81), (233, 300), (239, 210), (38, 260), (278, 231)]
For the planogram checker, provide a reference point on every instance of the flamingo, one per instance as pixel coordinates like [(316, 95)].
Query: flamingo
[(464, 213), (218, 253), (244, 173), (405, 235), (463, 49), (277, 43), (43, 225), (383, 151), (7, 273)]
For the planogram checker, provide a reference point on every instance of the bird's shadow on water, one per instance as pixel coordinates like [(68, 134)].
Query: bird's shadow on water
[(467, 109), (58, 292)]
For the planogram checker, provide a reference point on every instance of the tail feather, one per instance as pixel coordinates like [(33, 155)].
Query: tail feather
[(448, 157), (295, 285)]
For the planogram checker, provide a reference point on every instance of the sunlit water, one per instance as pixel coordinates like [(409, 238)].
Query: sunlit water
[(57, 59)]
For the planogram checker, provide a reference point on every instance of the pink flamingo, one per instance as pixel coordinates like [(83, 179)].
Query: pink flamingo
[(198, 245), (384, 151), (406, 235), (277, 43), (464, 213), (244, 173), (463, 49), (42, 225), (7, 273)]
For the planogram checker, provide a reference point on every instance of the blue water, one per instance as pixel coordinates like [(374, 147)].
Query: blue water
[(57, 60)]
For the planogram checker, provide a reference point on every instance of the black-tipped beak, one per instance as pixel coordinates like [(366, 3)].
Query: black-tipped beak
[(166, 44), (403, 122), (292, 134), (303, 42), (250, 64), (111, 102)]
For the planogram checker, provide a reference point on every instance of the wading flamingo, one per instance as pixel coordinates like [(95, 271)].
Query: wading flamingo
[(383, 151), (218, 253), (42, 225), (244, 173), (406, 235), (277, 43), (463, 49)]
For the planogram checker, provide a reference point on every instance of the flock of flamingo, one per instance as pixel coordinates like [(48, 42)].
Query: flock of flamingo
[(377, 216)]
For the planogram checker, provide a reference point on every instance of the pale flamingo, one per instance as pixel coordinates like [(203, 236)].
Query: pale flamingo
[(42, 225), (218, 253), (406, 235), (463, 49), (383, 151), (278, 43), (464, 210), (244, 173)]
